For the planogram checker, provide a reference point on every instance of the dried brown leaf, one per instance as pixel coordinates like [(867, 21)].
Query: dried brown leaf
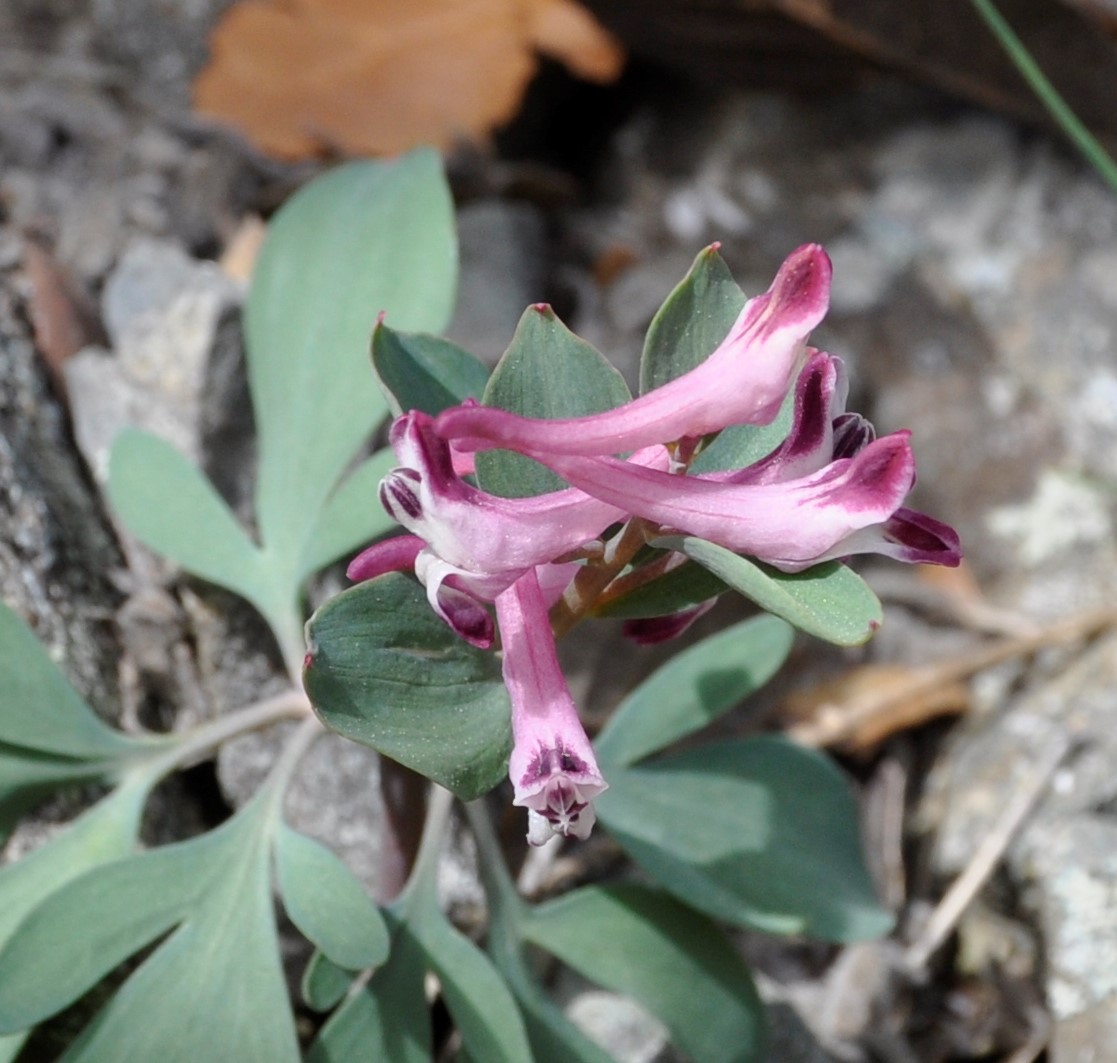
[(861, 708), (62, 317), (305, 77)]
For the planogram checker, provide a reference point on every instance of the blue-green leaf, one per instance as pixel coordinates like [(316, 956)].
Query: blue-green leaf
[(352, 516), (422, 372), (11, 1044), (384, 670), (694, 688), (478, 998), (696, 317), (327, 903), (105, 832), (761, 833), (386, 1020), (364, 238), (829, 600), (168, 504), (548, 372), (324, 983), (41, 711), (213, 989), (552, 1035), (663, 954)]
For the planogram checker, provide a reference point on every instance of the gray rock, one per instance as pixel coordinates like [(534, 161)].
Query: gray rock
[(162, 310), (624, 1029), (990, 755), (1072, 861), (57, 555)]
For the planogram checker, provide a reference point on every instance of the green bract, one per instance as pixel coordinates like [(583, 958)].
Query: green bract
[(547, 371)]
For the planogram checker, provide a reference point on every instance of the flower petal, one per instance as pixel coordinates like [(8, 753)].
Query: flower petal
[(650, 630), (552, 767), (819, 398), (742, 382), (792, 525), (391, 555), (478, 532), (907, 535)]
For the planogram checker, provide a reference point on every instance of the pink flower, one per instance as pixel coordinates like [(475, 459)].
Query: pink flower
[(552, 767), (744, 381), (467, 545), (828, 491)]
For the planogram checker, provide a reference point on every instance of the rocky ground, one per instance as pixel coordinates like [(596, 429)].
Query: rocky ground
[(975, 299)]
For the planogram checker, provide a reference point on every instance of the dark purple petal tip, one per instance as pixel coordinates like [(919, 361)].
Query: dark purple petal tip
[(922, 539)]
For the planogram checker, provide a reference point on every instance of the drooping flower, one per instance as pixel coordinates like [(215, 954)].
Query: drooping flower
[(467, 545), (743, 381), (552, 767)]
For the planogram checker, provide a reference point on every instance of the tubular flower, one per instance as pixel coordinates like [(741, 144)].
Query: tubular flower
[(467, 545), (828, 491), (552, 767), (744, 381)]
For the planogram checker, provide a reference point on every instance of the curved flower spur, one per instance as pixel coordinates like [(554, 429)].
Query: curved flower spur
[(829, 491)]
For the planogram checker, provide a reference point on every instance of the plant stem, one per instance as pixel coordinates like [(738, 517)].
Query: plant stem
[(593, 578), (1048, 95), (279, 777), (422, 886), (504, 898), (193, 746), (287, 627)]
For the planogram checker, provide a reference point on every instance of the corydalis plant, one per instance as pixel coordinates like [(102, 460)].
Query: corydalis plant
[(828, 490)]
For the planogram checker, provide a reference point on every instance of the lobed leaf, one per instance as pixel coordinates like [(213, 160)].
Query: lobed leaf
[(169, 505), (675, 962), (422, 372), (386, 1020), (384, 670), (546, 372), (213, 989), (326, 902), (552, 1035), (366, 238), (105, 832), (11, 1045), (324, 983), (114, 910), (829, 600), (478, 998), (760, 833), (43, 714), (691, 323), (694, 688)]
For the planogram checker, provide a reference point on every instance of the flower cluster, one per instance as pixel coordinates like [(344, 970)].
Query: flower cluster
[(831, 489)]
